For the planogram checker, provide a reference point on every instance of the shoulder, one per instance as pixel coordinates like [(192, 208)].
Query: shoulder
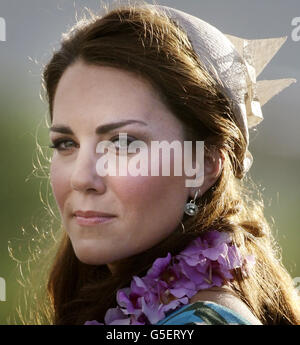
[(212, 307), (226, 297)]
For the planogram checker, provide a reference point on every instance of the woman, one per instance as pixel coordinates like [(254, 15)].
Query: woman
[(149, 249)]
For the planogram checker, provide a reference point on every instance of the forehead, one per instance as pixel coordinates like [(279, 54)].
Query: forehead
[(106, 93), (89, 96)]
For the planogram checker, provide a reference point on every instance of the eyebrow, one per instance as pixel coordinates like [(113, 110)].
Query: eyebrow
[(99, 130)]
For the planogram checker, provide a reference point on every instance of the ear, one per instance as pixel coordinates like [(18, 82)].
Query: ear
[(213, 165)]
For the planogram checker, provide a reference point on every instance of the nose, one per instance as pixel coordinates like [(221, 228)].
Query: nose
[(84, 175)]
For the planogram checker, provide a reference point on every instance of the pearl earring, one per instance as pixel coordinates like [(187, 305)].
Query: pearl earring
[(191, 208)]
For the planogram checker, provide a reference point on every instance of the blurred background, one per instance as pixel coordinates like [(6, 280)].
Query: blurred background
[(33, 30)]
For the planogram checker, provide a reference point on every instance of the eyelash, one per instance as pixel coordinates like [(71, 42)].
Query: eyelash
[(57, 142)]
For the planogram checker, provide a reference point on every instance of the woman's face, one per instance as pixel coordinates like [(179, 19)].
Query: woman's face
[(146, 209)]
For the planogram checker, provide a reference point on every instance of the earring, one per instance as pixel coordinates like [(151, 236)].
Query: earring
[(191, 208), (183, 228)]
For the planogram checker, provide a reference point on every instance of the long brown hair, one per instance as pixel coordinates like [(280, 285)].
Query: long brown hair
[(139, 39)]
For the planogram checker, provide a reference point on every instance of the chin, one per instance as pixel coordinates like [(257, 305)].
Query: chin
[(88, 260), (89, 256)]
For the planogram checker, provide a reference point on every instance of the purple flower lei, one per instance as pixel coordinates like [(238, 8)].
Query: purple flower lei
[(171, 282)]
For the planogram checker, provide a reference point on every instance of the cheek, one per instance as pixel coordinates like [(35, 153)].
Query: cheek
[(152, 199), (151, 196), (59, 179), (152, 209)]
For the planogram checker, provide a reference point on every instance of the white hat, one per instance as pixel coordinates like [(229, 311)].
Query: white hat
[(235, 63)]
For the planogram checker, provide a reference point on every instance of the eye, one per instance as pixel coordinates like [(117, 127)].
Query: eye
[(123, 142), (57, 144)]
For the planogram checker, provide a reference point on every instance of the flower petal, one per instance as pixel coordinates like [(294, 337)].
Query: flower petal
[(159, 266), (114, 314)]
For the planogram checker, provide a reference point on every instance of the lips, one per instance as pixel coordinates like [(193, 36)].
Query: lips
[(90, 218), (88, 214)]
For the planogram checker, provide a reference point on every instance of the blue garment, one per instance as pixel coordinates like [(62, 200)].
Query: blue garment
[(204, 313)]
